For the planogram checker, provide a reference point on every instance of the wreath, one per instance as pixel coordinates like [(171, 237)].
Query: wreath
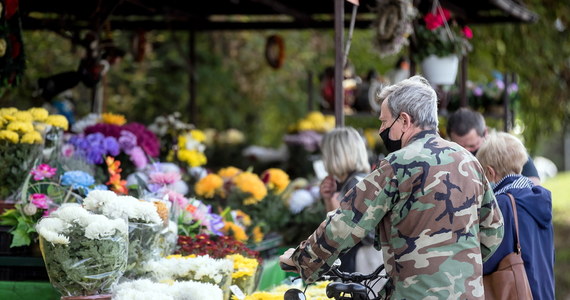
[(12, 59), (275, 51), (393, 25)]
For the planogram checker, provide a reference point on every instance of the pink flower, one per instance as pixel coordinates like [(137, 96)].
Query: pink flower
[(177, 198), (164, 178), (138, 157), (467, 32), (436, 20), (49, 211), (67, 150), (40, 200), (43, 171)]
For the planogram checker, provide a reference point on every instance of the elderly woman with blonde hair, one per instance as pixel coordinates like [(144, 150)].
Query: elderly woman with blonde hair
[(502, 156), (346, 161)]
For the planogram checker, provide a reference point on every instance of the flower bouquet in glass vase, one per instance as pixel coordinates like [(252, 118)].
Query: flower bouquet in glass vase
[(85, 254), (145, 225)]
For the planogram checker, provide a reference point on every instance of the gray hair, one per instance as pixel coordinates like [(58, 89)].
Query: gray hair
[(504, 152), (415, 97), (344, 152)]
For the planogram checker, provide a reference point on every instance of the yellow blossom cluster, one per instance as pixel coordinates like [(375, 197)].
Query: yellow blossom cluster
[(209, 186), (243, 266), (234, 230), (276, 179), (229, 172), (24, 126), (115, 119), (250, 183), (191, 148), (315, 291), (315, 121)]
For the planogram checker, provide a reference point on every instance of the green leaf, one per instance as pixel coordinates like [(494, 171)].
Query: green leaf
[(20, 238)]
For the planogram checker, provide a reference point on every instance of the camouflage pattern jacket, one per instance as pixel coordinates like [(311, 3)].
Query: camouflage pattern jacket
[(434, 215)]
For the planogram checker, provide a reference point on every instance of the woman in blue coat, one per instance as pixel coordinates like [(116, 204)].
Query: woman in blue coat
[(503, 156)]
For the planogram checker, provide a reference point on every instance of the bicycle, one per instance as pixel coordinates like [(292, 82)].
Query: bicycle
[(355, 286)]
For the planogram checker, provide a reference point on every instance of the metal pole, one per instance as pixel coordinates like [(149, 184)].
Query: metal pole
[(338, 67), (506, 113)]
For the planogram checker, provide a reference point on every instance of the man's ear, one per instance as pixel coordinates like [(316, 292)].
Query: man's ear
[(407, 121)]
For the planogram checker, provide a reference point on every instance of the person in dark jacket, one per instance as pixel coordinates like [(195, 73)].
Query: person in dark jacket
[(503, 156)]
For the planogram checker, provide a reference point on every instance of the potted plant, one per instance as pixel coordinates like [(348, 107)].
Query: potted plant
[(440, 40)]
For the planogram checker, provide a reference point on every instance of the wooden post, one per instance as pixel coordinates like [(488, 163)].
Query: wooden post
[(463, 84), (506, 104), (338, 67)]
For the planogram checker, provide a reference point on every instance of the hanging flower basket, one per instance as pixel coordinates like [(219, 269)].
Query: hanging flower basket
[(440, 70)]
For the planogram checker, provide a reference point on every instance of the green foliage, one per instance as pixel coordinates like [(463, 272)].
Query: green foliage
[(538, 53), (560, 197)]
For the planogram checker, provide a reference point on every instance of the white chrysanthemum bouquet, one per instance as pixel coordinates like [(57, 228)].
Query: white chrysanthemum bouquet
[(145, 225), (200, 268), (186, 290), (85, 253)]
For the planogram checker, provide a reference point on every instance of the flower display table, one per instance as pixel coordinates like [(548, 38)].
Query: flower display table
[(27, 290)]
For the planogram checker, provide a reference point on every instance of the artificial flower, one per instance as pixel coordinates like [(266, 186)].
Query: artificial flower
[(40, 200), (78, 180), (23, 116), (235, 231)]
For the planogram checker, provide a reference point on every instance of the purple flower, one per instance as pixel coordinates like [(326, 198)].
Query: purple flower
[(478, 91), (95, 155), (138, 157), (499, 84), (145, 138), (127, 140), (512, 88), (112, 146), (105, 129)]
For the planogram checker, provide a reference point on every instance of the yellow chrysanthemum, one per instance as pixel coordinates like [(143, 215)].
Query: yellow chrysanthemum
[(33, 137), (244, 218), (250, 183), (257, 234), (316, 117), (23, 116), (174, 256), (22, 127), (208, 186), (198, 135), (193, 158), (114, 119), (7, 111), (38, 113), (229, 172), (262, 296), (9, 135), (276, 180), (57, 121), (234, 230), (41, 127)]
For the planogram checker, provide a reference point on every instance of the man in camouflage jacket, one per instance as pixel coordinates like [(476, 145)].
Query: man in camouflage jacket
[(429, 203)]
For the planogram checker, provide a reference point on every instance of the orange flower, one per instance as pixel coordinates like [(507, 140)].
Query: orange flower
[(251, 184), (234, 230), (208, 186), (117, 185), (276, 179), (229, 172)]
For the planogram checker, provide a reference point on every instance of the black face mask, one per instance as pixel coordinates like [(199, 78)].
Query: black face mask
[(391, 145), (475, 152)]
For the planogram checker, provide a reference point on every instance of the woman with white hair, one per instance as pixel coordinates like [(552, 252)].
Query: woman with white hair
[(502, 157), (346, 161)]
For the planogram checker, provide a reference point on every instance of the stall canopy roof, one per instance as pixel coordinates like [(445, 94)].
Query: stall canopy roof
[(234, 14)]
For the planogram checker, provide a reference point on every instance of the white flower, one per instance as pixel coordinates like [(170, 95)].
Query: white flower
[(71, 213), (132, 179), (97, 199), (186, 290), (179, 186), (195, 268), (100, 226), (90, 119), (299, 200), (51, 228)]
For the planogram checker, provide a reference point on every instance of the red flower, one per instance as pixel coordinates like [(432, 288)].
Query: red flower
[(436, 20), (467, 32)]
